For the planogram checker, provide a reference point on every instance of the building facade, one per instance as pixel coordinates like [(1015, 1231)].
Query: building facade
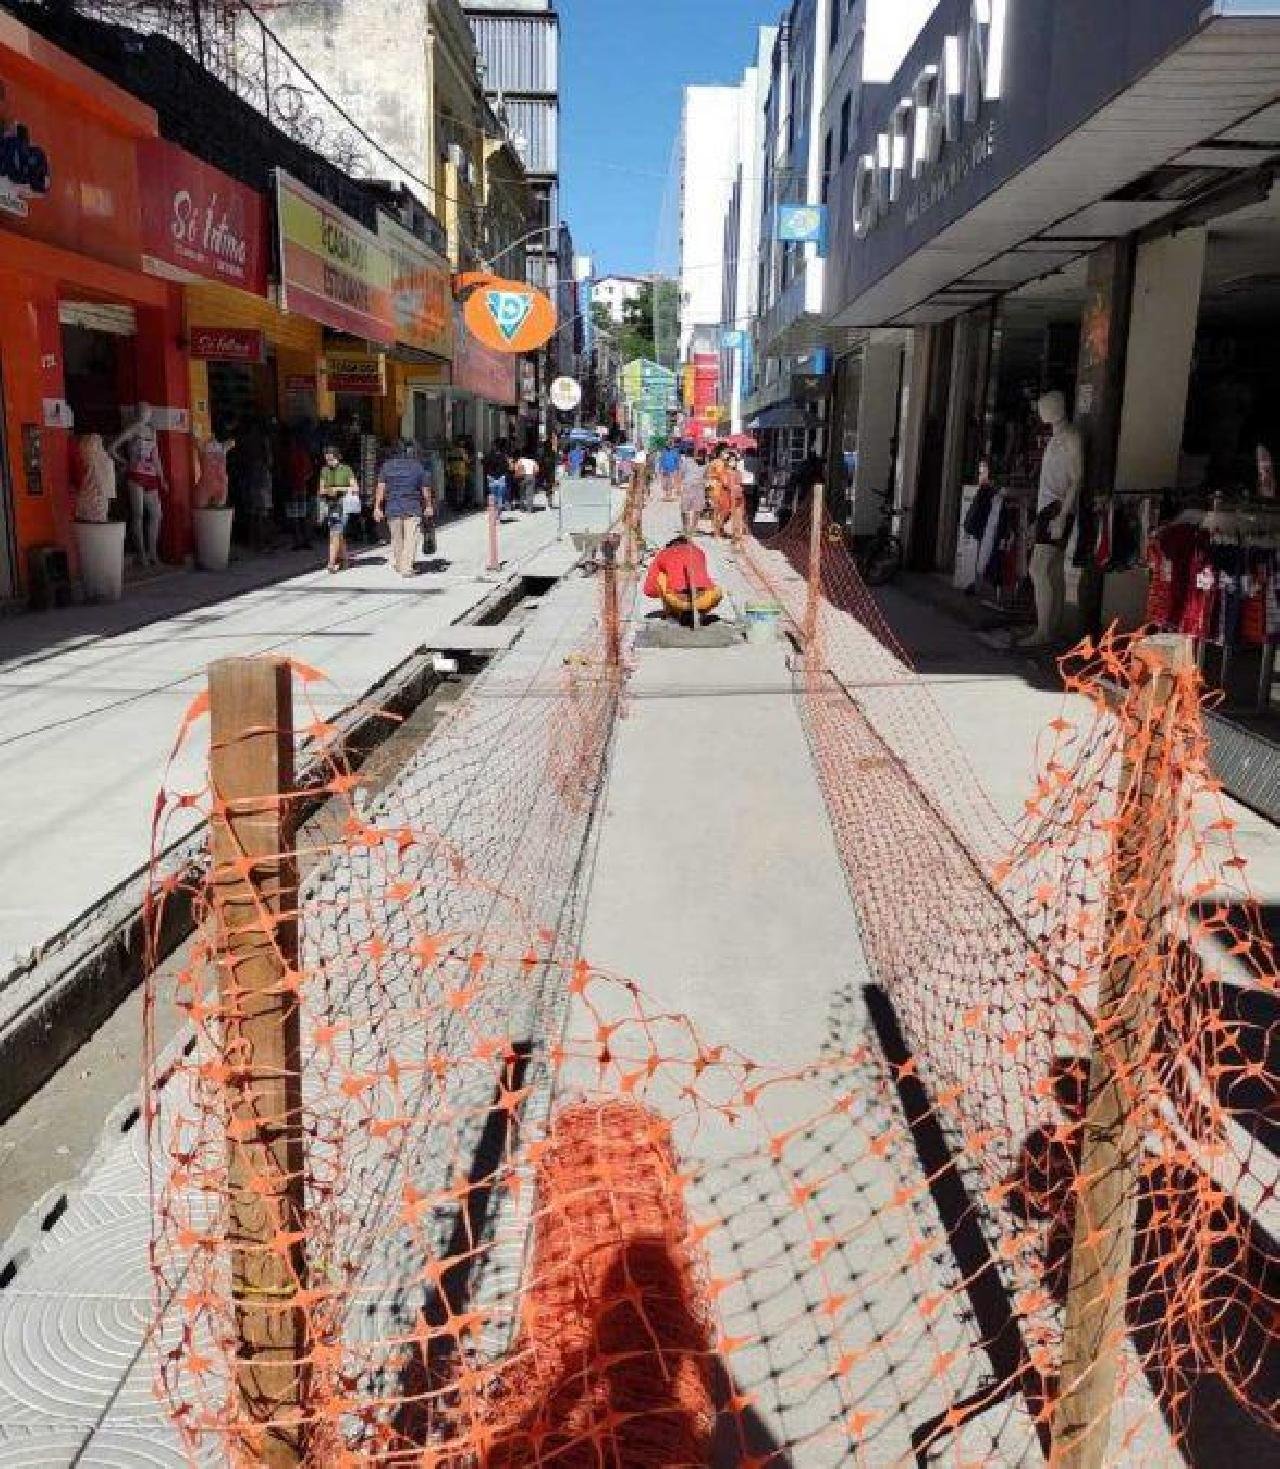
[(519, 48), (613, 292), (706, 161), (743, 237)]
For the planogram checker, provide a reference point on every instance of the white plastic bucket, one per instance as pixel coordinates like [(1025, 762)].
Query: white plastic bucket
[(761, 620), (101, 549), (213, 537)]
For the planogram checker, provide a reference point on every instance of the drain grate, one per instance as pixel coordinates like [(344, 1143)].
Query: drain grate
[(1247, 763)]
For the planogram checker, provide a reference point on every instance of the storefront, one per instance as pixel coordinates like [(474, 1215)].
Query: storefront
[(85, 335), (1088, 207)]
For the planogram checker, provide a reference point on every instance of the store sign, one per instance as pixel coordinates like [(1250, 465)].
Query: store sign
[(24, 167), (566, 394), (509, 316), (802, 224), (198, 222), (227, 344), (934, 140), (349, 372), (300, 384), (68, 169), (332, 269), (421, 290)]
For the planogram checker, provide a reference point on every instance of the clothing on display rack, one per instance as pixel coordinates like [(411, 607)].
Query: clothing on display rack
[(1215, 578)]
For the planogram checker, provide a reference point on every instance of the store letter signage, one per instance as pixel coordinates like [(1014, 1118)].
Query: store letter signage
[(198, 221), (228, 344), (332, 269), (422, 292), (24, 168), (926, 139)]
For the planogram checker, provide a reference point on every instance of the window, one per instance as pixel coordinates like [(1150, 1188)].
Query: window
[(837, 9), (826, 165), (846, 125)]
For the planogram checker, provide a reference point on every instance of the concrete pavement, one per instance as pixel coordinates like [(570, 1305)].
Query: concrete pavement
[(87, 721)]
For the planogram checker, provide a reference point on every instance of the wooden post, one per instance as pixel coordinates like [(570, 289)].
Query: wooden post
[(255, 902), (612, 624), (815, 572), (494, 561), (1111, 1152)]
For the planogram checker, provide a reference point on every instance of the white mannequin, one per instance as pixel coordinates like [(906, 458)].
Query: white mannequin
[(138, 452), (1061, 476)]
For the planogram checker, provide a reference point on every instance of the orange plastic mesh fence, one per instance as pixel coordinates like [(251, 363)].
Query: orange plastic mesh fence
[(533, 1218)]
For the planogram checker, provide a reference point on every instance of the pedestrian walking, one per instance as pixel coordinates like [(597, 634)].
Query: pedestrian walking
[(693, 491), (402, 497), (527, 480), (338, 486), (497, 473), (669, 472)]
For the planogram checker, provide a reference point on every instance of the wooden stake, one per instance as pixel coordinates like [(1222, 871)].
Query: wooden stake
[(255, 901), (1111, 1154), (494, 561), (612, 623), (815, 573)]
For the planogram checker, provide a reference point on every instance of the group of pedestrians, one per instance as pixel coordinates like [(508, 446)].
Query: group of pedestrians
[(404, 501), (718, 484), (515, 478)]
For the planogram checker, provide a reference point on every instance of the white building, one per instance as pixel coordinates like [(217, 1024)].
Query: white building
[(707, 163), (743, 232), (614, 291)]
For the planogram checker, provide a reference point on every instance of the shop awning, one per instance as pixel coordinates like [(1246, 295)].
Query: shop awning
[(782, 415), (1209, 104)]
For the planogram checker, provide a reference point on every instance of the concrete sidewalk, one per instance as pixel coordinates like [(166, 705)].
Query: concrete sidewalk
[(719, 891), (87, 721)]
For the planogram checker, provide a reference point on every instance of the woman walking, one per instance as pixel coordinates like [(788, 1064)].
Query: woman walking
[(337, 487), (693, 491)]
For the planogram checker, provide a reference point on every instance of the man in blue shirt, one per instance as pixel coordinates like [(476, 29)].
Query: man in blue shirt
[(669, 470), (403, 497)]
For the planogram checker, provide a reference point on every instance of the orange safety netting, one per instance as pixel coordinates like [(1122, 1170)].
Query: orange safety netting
[(504, 1209)]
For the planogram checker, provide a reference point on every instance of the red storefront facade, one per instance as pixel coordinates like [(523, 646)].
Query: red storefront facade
[(85, 334)]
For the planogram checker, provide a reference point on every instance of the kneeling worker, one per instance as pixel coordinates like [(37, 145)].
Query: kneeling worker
[(681, 580)]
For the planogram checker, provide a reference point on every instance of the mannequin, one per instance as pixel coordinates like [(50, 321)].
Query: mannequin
[(1061, 475), (138, 451), (97, 487)]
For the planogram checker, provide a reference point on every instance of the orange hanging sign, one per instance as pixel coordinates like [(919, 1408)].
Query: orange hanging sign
[(508, 316)]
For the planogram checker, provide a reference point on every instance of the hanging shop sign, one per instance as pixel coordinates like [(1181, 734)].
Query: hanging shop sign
[(507, 316), (356, 373), (803, 224), (228, 344), (941, 130), (421, 295), (198, 222), (332, 269), (566, 394)]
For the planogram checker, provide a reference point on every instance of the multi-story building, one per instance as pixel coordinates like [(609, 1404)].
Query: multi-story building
[(519, 46), (743, 227), (706, 162), (613, 292)]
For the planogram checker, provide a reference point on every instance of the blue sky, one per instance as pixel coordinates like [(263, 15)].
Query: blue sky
[(624, 65)]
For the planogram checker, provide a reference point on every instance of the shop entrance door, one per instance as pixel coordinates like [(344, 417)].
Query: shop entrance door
[(8, 541)]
